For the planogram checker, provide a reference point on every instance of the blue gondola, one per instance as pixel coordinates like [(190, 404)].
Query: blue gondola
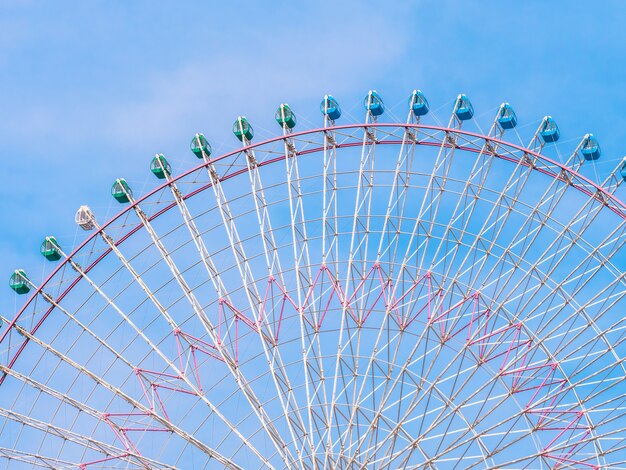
[(418, 103), (121, 191), (285, 117), (242, 129), (200, 146), (19, 282), (506, 116), (50, 249), (622, 170), (590, 147), (549, 131), (374, 103), (463, 108), (160, 167), (330, 107)]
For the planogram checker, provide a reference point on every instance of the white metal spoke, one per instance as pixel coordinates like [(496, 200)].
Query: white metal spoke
[(355, 270), (268, 341)]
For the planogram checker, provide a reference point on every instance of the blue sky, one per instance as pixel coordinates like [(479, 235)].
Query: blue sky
[(92, 89)]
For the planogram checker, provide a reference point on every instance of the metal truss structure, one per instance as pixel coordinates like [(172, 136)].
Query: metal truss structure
[(364, 295)]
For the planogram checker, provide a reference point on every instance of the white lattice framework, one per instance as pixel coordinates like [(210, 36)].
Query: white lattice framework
[(374, 294)]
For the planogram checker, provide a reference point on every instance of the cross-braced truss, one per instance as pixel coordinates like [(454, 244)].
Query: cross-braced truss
[(379, 295)]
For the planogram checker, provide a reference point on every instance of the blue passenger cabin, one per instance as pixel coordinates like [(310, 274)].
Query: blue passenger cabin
[(285, 116), (160, 166), (590, 147), (19, 282), (121, 191), (622, 170), (50, 249), (374, 103), (200, 145), (463, 108), (506, 116), (242, 129), (548, 130), (329, 107), (418, 103)]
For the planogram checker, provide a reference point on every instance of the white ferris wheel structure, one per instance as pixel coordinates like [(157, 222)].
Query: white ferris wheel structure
[(384, 293)]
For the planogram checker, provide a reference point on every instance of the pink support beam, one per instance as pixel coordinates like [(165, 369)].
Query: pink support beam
[(159, 380), (84, 465)]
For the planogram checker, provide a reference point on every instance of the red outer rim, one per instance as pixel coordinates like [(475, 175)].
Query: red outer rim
[(496, 141)]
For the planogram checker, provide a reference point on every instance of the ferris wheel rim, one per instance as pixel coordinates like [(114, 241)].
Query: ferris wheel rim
[(277, 159), (251, 146)]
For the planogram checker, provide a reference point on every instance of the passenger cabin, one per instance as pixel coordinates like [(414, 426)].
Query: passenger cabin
[(330, 108), (200, 146), (50, 249), (160, 166), (19, 282), (548, 130), (285, 117), (506, 116), (121, 191), (242, 129), (590, 148), (622, 170), (418, 103), (463, 108), (85, 218), (374, 103)]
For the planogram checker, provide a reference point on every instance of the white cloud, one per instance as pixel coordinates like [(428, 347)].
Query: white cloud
[(303, 61)]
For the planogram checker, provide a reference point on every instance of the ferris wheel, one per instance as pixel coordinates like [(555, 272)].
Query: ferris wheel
[(378, 292)]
